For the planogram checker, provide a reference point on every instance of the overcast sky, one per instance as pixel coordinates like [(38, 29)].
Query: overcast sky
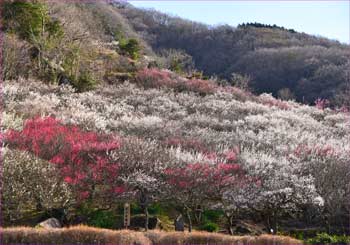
[(325, 18)]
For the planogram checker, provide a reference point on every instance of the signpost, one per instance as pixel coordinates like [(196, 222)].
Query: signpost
[(126, 215)]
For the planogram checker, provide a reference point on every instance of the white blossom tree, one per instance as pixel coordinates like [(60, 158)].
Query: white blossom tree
[(29, 183), (142, 164)]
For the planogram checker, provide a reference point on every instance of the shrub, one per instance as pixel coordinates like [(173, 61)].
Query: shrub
[(84, 82), (73, 235), (89, 215), (212, 215), (210, 227), (102, 219), (324, 238), (200, 86), (131, 47), (155, 209), (88, 235), (214, 238)]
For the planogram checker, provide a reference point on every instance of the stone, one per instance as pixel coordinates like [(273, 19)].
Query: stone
[(179, 223), (50, 223)]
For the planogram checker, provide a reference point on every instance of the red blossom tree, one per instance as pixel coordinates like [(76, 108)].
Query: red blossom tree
[(155, 78), (82, 157), (195, 184)]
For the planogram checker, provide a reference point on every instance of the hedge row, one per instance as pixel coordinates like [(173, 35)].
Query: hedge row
[(88, 235)]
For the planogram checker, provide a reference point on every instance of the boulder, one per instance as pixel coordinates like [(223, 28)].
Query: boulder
[(50, 223)]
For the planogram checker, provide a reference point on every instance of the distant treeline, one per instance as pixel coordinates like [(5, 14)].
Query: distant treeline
[(260, 25)]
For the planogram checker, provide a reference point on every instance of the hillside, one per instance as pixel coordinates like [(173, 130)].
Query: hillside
[(274, 58), (96, 115), (271, 59)]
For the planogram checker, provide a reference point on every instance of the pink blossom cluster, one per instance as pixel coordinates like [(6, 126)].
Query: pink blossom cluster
[(199, 175), (80, 156), (273, 102), (321, 103), (320, 151), (155, 78)]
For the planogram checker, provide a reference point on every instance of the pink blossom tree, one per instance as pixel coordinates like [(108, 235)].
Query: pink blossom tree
[(81, 157)]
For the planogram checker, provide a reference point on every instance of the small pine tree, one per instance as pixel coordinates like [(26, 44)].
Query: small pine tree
[(131, 47)]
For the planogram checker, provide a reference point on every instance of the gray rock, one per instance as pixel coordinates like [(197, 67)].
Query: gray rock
[(50, 223)]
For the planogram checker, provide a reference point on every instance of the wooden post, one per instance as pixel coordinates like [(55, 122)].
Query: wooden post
[(126, 215)]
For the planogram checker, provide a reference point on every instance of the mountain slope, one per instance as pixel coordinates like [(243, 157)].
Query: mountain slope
[(98, 37), (275, 58)]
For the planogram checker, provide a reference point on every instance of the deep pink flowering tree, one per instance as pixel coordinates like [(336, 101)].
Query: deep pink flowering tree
[(82, 157), (155, 78)]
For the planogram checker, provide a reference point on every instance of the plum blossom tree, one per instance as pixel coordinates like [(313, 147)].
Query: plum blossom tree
[(142, 163), (283, 186), (197, 184), (30, 183), (234, 194), (332, 168), (237, 199), (82, 157)]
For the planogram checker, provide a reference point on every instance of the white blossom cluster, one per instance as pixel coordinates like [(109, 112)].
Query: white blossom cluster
[(28, 182)]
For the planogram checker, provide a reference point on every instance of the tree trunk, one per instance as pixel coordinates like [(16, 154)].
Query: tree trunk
[(189, 220), (268, 221), (144, 201), (198, 214), (146, 217), (230, 224), (274, 223)]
